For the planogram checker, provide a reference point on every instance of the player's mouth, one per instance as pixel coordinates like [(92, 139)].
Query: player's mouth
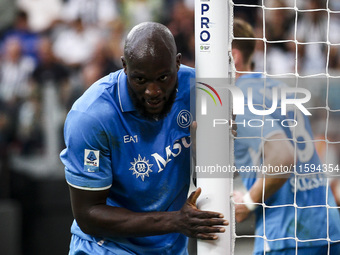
[(154, 105)]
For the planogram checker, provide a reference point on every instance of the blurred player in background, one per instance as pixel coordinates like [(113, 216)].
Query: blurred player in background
[(127, 159), (276, 149)]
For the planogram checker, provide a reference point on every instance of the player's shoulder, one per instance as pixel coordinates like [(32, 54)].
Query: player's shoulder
[(186, 72), (258, 82), (99, 98), (186, 77), (101, 90)]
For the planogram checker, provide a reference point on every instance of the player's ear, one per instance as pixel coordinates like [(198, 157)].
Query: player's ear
[(124, 64), (238, 59), (178, 60)]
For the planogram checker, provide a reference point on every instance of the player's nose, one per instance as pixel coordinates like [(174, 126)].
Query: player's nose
[(153, 90)]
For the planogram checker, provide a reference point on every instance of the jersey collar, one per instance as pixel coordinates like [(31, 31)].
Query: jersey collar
[(251, 75), (125, 101)]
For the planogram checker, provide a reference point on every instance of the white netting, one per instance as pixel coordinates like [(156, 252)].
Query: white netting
[(299, 40)]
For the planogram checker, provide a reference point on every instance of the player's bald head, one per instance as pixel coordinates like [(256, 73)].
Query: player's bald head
[(149, 39)]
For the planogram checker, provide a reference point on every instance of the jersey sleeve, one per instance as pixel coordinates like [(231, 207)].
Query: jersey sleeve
[(87, 155)]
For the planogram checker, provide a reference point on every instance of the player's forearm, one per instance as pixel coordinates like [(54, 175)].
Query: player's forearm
[(96, 218), (278, 154), (271, 185), (104, 220), (255, 195)]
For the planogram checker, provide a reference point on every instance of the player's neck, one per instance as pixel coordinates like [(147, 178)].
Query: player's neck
[(240, 71)]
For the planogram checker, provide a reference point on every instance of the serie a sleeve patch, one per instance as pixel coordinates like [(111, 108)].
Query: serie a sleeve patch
[(91, 161)]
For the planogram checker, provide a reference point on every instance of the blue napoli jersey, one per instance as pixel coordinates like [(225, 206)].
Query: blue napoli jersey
[(145, 164), (310, 189)]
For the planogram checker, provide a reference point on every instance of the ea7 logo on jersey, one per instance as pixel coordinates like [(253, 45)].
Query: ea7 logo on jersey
[(91, 161)]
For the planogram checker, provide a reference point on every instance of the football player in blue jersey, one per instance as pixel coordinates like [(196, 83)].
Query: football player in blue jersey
[(127, 155), (308, 228)]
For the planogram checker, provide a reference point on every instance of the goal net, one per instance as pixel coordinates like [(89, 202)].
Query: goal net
[(297, 44)]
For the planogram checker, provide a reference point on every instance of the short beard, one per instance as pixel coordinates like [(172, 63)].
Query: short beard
[(149, 116)]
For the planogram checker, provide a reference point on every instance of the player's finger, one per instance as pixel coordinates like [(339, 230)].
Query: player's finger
[(206, 236), (209, 215), (194, 195), (213, 222)]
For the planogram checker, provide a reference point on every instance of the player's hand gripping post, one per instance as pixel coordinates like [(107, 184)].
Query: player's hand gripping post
[(199, 224)]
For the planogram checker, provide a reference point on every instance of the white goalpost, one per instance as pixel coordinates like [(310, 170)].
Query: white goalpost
[(212, 21)]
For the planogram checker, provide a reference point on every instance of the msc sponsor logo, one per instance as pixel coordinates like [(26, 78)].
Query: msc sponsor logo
[(141, 166)]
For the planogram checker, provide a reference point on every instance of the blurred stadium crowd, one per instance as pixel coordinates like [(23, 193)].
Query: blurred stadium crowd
[(51, 51)]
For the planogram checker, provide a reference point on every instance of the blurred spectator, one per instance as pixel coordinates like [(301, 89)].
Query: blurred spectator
[(190, 4), (5, 129), (22, 31), (90, 73), (7, 126), (29, 135), (334, 39), (137, 11), (280, 56), (75, 44), (42, 14), (301, 5), (49, 69), (15, 72), (312, 29), (115, 41), (245, 12), (103, 58), (99, 65), (182, 27), (98, 13), (7, 14), (167, 9)]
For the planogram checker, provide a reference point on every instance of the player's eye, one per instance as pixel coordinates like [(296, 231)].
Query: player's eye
[(163, 78), (140, 80)]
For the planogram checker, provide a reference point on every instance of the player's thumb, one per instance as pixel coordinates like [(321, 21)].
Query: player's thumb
[(194, 195)]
